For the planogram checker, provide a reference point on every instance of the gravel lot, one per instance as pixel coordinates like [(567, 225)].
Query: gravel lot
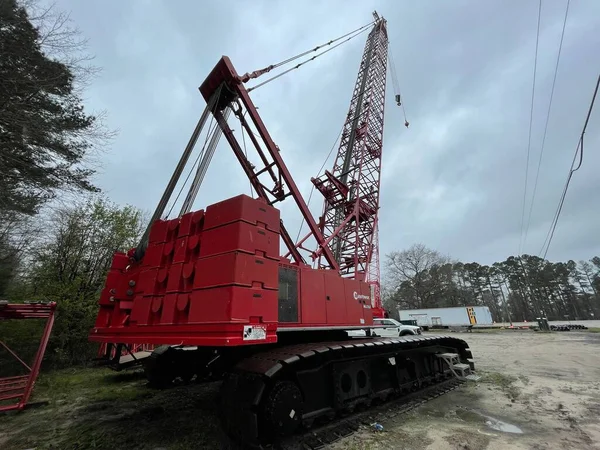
[(541, 389)]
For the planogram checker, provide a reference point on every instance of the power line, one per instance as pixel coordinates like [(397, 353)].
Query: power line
[(578, 151), (537, 40), (547, 120)]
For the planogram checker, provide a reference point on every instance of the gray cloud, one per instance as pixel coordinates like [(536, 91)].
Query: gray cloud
[(453, 181)]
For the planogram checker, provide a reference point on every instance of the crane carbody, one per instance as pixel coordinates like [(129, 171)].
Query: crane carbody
[(212, 290)]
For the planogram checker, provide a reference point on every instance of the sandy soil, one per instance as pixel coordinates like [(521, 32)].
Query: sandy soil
[(547, 386)]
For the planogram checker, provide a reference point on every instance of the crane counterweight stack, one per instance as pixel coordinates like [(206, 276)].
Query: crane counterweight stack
[(212, 290)]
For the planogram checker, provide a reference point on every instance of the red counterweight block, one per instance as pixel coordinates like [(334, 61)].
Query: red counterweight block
[(236, 269), (236, 276), (168, 274), (114, 281), (191, 223), (242, 208), (243, 237)]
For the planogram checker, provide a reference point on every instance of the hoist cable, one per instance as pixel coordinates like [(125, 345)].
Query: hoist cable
[(246, 152), (305, 61), (547, 120), (300, 55), (395, 82), (258, 73), (211, 130), (312, 189), (207, 155)]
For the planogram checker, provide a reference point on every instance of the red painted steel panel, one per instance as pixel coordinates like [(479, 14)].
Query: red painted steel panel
[(232, 304), (209, 334), (335, 298), (236, 268), (167, 313), (186, 249), (180, 278), (354, 301), (365, 289), (243, 208), (158, 255), (158, 232), (312, 297), (191, 223), (240, 236), (140, 313), (147, 281)]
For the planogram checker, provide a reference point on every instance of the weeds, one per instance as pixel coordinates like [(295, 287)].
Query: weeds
[(98, 409), (504, 382)]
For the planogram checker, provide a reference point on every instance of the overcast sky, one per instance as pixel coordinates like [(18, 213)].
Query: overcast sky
[(453, 181)]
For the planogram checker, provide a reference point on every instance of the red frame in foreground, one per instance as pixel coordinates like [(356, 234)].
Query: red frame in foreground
[(19, 388)]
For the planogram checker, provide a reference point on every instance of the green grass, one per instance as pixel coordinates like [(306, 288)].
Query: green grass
[(100, 409), (593, 330)]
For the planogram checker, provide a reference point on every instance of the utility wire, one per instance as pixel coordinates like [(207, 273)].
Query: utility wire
[(547, 120), (537, 40), (306, 61), (578, 151)]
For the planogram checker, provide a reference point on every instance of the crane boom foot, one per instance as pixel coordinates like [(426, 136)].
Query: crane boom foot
[(273, 394)]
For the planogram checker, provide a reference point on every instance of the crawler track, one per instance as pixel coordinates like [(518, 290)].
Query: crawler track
[(319, 437), (277, 393)]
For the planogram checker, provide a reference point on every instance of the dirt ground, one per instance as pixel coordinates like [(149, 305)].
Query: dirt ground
[(542, 389)]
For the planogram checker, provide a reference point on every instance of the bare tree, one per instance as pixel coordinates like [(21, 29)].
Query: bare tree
[(408, 271)]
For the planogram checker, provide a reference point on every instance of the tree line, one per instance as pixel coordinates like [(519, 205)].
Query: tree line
[(517, 289), (57, 231)]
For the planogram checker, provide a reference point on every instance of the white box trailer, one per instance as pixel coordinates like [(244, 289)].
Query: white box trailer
[(459, 316)]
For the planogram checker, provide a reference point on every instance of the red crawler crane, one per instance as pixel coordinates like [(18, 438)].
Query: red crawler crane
[(211, 288)]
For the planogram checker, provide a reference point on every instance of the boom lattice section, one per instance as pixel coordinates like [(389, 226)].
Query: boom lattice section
[(351, 190)]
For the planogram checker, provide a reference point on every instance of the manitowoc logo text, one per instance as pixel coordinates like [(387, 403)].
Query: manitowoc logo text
[(358, 296)]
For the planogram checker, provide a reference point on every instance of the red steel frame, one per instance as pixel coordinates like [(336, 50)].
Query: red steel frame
[(279, 183), (351, 189), (374, 278), (127, 349), (19, 388)]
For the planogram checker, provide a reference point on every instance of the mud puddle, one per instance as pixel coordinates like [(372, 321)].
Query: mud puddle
[(495, 423)]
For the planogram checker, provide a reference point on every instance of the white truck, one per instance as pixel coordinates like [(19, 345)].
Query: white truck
[(460, 316), (388, 328)]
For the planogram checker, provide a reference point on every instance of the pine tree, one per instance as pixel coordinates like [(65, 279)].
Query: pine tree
[(44, 130)]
